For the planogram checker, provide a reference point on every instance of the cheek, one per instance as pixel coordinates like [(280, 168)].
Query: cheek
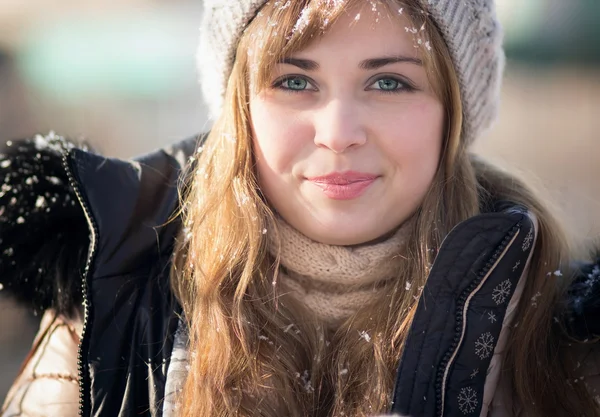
[(416, 137), (278, 137), (414, 147)]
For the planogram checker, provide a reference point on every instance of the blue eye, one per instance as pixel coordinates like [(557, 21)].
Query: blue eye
[(391, 85), (294, 84), (388, 84)]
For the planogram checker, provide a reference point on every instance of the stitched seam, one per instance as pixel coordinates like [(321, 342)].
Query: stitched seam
[(54, 376)]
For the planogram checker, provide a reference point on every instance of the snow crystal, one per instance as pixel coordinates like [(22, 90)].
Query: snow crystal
[(20, 220), (54, 180), (344, 371), (307, 382), (5, 164), (365, 335), (40, 142), (285, 6), (264, 231), (1, 286), (302, 22), (408, 285), (535, 298), (558, 273)]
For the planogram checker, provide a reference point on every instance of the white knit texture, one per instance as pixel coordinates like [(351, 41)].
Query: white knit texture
[(470, 28)]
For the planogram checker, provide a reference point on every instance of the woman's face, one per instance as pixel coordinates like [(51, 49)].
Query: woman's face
[(348, 137)]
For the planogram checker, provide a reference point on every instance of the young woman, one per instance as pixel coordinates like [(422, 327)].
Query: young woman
[(333, 249)]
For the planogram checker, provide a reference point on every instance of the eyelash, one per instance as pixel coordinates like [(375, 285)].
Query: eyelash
[(403, 85)]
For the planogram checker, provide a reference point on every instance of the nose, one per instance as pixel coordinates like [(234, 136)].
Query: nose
[(338, 126)]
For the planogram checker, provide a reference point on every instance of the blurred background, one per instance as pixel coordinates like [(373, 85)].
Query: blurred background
[(122, 75)]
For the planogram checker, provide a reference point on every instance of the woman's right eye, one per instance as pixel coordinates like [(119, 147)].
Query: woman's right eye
[(294, 84)]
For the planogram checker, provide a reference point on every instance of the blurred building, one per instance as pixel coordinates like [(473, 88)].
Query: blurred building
[(121, 74)]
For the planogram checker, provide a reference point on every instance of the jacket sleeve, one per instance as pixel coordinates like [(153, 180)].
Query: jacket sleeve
[(582, 303), (44, 236)]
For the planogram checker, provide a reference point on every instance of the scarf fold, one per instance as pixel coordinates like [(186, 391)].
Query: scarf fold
[(335, 281)]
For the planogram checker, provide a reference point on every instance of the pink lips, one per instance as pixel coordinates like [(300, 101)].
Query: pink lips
[(344, 185)]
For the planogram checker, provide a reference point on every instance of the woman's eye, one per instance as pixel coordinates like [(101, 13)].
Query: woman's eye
[(390, 85), (295, 84)]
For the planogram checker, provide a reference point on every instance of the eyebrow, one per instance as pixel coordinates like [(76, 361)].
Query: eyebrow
[(367, 64), (376, 63), (305, 64)]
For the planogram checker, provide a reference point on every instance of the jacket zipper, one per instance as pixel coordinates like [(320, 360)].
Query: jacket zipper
[(460, 315), (81, 359)]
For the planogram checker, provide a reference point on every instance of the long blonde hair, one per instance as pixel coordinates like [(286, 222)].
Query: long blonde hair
[(256, 352)]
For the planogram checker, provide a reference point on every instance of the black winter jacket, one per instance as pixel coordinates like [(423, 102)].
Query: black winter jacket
[(81, 229)]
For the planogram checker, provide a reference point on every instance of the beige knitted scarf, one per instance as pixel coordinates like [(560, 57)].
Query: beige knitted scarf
[(335, 281)]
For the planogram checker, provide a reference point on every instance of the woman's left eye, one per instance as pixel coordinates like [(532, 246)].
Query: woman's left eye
[(390, 85)]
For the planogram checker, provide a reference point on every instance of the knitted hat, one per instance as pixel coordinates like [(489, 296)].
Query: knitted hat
[(469, 27)]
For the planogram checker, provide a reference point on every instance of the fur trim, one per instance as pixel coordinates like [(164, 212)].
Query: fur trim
[(583, 302), (44, 237)]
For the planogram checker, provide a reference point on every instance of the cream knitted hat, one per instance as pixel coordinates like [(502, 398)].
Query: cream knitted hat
[(469, 27)]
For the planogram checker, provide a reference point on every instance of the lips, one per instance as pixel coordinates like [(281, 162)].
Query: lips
[(344, 185)]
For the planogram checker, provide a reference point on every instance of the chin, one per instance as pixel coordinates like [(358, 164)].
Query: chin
[(347, 233)]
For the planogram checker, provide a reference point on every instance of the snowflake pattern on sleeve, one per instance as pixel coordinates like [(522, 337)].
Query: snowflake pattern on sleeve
[(484, 345), (501, 292), (467, 400), (528, 240)]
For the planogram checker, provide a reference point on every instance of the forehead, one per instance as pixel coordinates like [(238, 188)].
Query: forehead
[(317, 26), (368, 30)]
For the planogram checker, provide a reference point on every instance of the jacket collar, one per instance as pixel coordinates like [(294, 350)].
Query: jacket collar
[(130, 204)]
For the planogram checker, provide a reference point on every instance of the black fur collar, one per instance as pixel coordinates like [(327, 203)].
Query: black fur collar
[(44, 236)]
